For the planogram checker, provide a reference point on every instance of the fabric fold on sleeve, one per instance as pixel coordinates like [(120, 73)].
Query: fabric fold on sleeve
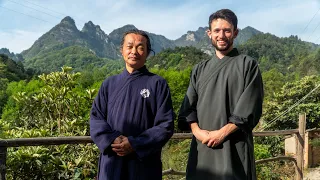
[(248, 109), (101, 132), (188, 109)]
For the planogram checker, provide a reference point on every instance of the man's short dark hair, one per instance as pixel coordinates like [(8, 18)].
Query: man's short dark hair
[(139, 32), (225, 14)]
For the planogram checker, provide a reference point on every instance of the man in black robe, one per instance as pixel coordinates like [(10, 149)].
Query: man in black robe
[(132, 117), (222, 105)]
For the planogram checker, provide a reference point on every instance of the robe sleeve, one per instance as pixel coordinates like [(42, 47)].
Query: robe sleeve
[(153, 139), (248, 109), (101, 132), (188, 109)]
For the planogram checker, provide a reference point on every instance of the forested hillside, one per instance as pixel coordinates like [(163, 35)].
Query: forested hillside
[(74, 56), (284, 54), (178, 58), (10, 71), (11, 55)]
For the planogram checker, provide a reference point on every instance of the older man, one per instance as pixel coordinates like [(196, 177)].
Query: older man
[(132, 117)]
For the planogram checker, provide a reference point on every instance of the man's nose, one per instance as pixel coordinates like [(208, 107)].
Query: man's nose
[(221, 34), (133, 50)]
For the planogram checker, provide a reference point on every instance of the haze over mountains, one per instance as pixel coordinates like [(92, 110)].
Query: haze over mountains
[(104, 45)]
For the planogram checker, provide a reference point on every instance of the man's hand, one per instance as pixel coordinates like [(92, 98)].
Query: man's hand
[(200, 134), (218, 136), (121, 146), (214, 138), (118, 140)]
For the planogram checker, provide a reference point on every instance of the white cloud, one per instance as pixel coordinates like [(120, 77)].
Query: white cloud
[(285, 19), (18, 40)]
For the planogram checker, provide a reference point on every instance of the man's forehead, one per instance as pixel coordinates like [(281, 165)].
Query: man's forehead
[(221, 21), (133, 36), (132, 41)]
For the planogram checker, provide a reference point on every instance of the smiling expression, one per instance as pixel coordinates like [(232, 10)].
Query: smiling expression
[(222, 34)]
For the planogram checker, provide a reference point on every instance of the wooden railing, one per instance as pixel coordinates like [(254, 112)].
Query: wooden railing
[(40, 141)]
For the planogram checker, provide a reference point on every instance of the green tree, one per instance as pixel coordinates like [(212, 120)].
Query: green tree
[(273, 81), (291, 95), (178, 82), (179, 58), (56, 107)]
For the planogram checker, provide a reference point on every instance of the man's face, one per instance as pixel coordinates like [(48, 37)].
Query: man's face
[(134, 50), (222, 34)]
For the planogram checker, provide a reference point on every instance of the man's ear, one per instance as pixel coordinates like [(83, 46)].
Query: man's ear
[(235, 33), (209, 33)]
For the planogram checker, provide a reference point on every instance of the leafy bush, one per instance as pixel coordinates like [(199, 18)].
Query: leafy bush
[(57, 108)]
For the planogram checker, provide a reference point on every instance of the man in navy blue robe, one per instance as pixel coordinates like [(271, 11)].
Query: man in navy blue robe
[(132, 116)]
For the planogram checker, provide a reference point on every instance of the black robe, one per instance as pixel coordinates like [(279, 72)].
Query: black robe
[(138, 106), (222, 91)]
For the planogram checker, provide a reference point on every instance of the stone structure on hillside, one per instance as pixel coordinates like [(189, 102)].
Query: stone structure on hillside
[(312, 147)]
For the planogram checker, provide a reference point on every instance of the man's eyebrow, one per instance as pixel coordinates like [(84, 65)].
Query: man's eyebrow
[(222, 28)]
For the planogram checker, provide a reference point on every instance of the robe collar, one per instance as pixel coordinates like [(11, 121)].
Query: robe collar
[(140, 71), (232, 53)]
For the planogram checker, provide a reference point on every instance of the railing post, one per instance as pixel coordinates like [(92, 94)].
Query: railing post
[(3, 159), (300, 146)]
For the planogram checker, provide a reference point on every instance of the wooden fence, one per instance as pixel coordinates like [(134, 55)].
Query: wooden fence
[(298, 160)]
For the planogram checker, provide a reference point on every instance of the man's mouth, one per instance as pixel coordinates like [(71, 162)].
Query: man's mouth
[(222, 42), (133, 58)]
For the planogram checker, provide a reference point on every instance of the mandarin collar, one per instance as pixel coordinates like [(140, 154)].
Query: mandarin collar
[(232, 53), (139, 71)]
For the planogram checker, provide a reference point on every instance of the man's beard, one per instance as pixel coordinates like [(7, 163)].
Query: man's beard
[(225, 48)]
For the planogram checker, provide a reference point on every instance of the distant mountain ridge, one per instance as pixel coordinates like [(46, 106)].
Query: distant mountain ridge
[(92, 37), (11, 55), (66, 34), (158, 42), (192, 38)]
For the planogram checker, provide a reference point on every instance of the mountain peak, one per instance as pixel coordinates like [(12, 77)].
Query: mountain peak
[(89, 24), (4, 51), (94, 31), (128, 27), (116, 34), (67, 20), (90, 27), (251, 29), (16, 57), (68, 24), (191, 38)]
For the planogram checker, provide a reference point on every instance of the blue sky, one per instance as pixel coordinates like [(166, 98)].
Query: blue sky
[(24, 21)]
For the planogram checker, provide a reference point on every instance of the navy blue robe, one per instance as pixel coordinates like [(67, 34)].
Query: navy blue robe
[(138, 106)]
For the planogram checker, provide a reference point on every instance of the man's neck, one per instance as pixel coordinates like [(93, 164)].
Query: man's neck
[(221, 54), (131, 69)]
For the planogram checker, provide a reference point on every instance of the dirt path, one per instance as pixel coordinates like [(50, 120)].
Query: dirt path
[(313, 174)]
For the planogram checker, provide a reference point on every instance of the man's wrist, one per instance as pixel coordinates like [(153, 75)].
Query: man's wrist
[(228, 129), (194, 127)]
